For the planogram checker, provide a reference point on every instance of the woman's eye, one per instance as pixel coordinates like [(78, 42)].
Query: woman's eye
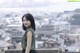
[(25, 20)]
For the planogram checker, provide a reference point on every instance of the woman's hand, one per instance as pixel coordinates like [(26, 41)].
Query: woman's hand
[(26, 51)]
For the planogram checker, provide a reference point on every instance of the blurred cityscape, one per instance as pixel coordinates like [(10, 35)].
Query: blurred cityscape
[(53, 30)]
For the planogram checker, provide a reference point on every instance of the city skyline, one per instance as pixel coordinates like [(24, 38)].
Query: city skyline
[(55, 6)]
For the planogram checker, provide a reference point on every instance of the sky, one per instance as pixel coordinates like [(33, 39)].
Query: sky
[(57, 5)]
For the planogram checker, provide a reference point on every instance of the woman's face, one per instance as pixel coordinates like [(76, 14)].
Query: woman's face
[(26, 22)]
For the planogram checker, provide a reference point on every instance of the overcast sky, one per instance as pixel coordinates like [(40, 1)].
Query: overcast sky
[(57, 5)]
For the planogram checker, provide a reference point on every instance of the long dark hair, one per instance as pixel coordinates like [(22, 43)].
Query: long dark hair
[(29, 17)]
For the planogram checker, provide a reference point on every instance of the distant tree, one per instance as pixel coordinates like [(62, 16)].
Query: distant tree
[(75, 19), (8, 15)]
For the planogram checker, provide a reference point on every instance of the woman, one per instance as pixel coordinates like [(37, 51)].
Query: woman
[(28, 40)]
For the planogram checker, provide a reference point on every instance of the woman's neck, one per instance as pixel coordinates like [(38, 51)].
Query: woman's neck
[(28, 27)]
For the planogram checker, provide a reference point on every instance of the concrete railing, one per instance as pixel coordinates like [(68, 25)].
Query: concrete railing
[(38, 51)]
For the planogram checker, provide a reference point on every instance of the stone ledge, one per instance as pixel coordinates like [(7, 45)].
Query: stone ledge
[(38, 51)]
